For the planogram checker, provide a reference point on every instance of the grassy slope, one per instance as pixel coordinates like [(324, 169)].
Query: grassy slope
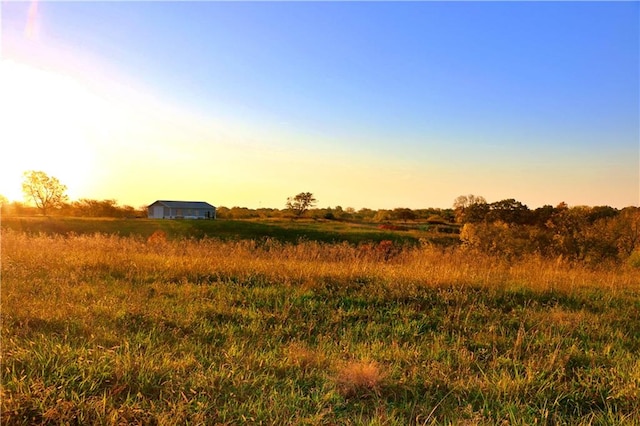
[(282, 230), (102, 329)]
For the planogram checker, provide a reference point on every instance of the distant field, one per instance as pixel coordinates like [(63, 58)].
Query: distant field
[(109, 329), (281, 230)]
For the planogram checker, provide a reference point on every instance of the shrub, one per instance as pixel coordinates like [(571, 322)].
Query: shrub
[(634, 259), (157, 238), (360, 378)]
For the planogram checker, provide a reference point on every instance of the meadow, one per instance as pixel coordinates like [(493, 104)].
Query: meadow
[(158, 326), (284, 230)]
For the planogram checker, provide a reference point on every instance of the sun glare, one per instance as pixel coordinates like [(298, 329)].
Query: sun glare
[(50, 123)]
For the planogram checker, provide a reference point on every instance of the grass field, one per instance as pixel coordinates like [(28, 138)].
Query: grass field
[(133, 329), (284, 230)]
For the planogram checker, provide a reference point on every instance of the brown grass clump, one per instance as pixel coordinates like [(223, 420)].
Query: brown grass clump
[(305, 358), (158, 237), (360, 379)]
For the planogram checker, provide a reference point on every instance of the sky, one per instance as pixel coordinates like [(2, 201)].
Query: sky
[(364, 104)]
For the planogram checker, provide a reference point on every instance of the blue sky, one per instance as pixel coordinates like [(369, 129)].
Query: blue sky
[(365, 104)]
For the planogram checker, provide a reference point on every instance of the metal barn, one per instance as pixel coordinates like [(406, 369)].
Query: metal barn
[(163, 209)]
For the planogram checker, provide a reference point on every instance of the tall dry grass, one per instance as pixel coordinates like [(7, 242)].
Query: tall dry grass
[(308, 264)]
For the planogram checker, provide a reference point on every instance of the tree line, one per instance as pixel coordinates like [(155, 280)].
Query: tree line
[(83, 207), (339, 213), (591, 234)]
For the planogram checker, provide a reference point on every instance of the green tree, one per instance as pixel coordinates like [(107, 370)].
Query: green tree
[(46, 191), (508, 211), (382, 215), (542, 215), (365, 214), (627, 226), (403, 214), (301, 203)]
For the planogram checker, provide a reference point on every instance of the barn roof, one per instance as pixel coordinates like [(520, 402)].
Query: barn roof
[(184, 204)]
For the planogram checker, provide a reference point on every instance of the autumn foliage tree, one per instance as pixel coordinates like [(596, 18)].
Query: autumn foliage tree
[(45, 191), (579, 233)]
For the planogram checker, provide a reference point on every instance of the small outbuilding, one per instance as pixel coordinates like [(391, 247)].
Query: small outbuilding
[(163, 209)]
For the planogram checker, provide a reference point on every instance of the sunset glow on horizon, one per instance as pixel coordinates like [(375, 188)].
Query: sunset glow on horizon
[(376, 105)]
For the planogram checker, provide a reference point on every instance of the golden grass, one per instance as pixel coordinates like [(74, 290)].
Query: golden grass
[(151, 329), (77, 259), (58, 275), (305, 358), (360, 378)]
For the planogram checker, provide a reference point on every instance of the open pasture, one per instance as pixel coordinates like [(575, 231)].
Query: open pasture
[(112, 329), (284, 230)]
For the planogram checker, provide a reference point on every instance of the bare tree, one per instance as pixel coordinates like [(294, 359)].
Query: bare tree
[(301, 203), (462, 204), (46, 191), (465, 201)]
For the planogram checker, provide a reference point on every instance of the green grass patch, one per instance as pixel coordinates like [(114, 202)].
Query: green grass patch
[(281, 230), (228, 353)]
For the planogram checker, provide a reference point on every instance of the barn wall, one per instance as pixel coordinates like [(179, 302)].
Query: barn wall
[(161, 212), (155, 212)]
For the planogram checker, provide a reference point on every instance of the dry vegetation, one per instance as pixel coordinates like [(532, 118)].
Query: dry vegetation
[(101, 329)]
